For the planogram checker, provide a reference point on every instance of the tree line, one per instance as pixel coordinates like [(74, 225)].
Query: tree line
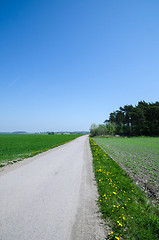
[(139, 120)]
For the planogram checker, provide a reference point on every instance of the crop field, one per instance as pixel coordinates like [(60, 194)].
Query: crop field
[(138, 155), (128, 212), (16, 147)]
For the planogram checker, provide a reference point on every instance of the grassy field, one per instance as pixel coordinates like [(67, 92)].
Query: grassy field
[(16, 147), (139, 155), (128, 212)]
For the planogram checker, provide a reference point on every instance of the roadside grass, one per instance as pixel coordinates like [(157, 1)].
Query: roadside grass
[(139, 155), (14, 147), (130, 214)]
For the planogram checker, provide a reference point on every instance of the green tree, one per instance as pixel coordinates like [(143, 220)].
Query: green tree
[(110, 128), (142, 119), (93, 130)]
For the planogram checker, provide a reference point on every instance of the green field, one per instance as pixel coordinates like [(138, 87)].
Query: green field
[(139, 155), (16, 147), (128, 212)]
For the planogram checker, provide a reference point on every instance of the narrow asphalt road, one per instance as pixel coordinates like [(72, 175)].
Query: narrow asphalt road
[(51, 197)]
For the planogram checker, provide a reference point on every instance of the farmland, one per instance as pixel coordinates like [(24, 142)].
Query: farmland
[(17, 147), (128, 212), (138, 156)]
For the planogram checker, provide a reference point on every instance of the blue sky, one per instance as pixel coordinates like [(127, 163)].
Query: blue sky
[(68, 64)]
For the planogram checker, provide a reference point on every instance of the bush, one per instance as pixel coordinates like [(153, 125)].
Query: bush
[(102, 129)]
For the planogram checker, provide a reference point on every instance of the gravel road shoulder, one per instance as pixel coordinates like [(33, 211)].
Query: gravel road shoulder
[(88, 224)]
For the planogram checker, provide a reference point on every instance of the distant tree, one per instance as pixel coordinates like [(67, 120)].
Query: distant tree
[(127, 111), (152, 116), (51, 133), (142, 119), (110, 128), (101, 130), (93, 130)]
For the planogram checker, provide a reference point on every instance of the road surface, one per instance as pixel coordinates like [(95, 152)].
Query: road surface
[(51, 196)]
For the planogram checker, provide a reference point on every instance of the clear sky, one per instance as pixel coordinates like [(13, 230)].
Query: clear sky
[(66, 64)]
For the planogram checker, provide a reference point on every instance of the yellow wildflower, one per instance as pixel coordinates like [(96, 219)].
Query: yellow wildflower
[(119, 224)]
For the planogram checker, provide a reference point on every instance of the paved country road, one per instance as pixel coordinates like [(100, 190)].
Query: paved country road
[(51, 196)]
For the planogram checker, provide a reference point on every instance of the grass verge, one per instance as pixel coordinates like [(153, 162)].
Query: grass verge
[(129, 212)]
